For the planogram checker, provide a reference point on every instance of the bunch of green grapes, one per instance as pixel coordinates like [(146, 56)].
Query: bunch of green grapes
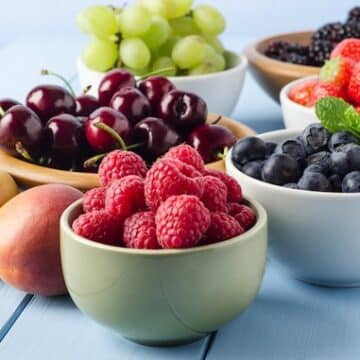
[(154, 35)]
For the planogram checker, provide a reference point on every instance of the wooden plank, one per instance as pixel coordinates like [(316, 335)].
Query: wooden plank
[(52, 328), (293, 320)]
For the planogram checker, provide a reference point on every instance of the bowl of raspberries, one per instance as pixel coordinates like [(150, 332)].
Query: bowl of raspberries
[(163, 255), (279, 59)]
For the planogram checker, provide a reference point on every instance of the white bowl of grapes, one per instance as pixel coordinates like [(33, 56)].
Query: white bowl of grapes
[(159, 37)]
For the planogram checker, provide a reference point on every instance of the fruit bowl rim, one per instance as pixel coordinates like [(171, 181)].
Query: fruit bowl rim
[(261, 222), (268, 136)]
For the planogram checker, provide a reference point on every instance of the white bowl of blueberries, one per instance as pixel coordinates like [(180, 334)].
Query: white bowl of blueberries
[(309, 182)]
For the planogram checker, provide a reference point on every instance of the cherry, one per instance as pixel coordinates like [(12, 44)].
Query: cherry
[(50, 100), (99, 138), (154, 88), (132, 103), (183, 110), (85, 105), (20, 124), (157, 137), (113, 81), (210, 140), (7, 103)]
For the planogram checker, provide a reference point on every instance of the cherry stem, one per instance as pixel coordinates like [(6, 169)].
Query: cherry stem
[(87, 89), (112, 133), (157, 72), (135, 146), (222, 155), (216, 120), (66, 82), (23, 152), (2, 112), (89, 163)]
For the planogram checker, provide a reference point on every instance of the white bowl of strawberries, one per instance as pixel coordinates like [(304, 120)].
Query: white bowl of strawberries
[(339, 77)]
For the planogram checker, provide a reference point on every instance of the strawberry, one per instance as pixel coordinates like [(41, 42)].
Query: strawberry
[(337, 71), (302, 93), (353, 88), (349, 49), (325, 89)]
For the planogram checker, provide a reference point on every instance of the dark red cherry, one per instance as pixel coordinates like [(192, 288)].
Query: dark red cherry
[(132, 103), (183, 110), (50, 100), (85, 105), (156, 136), (7, 103), (99, 139), (112, 82), (211, 140), (154, 88), (20, 124)]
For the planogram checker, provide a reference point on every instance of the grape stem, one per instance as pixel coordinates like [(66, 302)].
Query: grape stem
[(157, 72), (2, 112), (23, 152), (66, 82)]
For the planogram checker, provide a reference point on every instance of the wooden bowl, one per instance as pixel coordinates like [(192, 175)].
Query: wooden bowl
[(272, 74), (29, 175)]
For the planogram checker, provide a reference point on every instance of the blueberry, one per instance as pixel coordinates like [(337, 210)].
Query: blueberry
[(346, 147), (281, 169), (270, 148), (341, 138), (339, 163), (353, 154), (292, 186), (351, 182), (335, 181), (314, 182), (315, 138), (248, 149), (322, 158), (253, 168), (318, 168), (292, 147)]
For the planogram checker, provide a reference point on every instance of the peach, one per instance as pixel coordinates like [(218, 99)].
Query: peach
[(8, 188), (29, 241)]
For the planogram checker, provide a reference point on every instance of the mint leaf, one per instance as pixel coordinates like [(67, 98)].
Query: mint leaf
[(337, 115)]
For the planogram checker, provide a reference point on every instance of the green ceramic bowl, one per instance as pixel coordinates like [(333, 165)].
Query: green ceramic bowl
[(163, 297)]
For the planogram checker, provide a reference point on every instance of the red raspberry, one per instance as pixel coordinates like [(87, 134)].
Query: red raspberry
[(234, 208), (118, 164), (327, 89), (245, 216), (222, 227), (98, 226), (349, 49), (181, 221), (353, 88), (234, 189), (140, 231), (165, 179), (337, 71), (184, 168), (215, 194), (125, 196), (188, 155), (94, 199), (303, 92)]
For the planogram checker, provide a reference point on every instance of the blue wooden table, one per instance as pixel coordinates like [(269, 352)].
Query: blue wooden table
[(288, 320)]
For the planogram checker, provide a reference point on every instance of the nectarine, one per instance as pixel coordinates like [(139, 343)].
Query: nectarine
[(29, 239)]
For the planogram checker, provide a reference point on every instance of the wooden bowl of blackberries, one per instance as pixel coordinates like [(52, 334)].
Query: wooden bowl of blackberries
[(58, 137), (277, 60)]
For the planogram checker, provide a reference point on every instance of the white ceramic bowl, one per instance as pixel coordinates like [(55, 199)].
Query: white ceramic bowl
[(296, 116), (220, 90), (313, 235)]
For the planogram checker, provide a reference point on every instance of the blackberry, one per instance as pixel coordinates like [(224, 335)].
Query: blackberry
[(354, 14), (319, 51), (333, 32), (352, 29), (289, 52), (277, 48)]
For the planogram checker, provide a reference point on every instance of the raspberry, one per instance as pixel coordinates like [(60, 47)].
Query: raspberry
[(349, 49), (140, 231), (234, 208), (302, 93), (94, 199), (184, 168), (121, 163), (353, 88), (215, 194), (125, 196), (98, 226), (188, 155), (326, 89), (336, 71), (234, 189), (181, 221), (165, 179), (245, 216), (222, 227)]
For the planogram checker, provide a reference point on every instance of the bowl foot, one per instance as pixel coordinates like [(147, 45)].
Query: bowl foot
[(331, 284), (166, 343)]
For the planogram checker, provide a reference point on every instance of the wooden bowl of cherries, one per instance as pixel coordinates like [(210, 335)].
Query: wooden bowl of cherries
[(58, 137)]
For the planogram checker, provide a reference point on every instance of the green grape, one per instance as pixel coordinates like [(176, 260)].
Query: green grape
[(219, 62), (134, 53), (164, 8), (209, 20), (98, 20), (214, 62), (184, 26), (134, 21), (183, 7), (162, 63), (167, 47), (215, 43), (100, 55), (189, 52), (202, 69), (138, 72), (158, 32)]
